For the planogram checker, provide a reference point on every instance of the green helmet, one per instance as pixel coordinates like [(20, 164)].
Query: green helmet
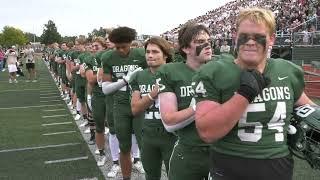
[(304, 141)]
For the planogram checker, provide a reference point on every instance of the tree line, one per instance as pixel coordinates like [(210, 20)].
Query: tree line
[(14, 36)]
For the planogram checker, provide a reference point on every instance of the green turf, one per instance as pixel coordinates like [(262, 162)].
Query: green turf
[(23, 128)]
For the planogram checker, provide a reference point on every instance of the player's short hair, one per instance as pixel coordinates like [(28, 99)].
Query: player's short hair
[(101, 41), (81, 40), (163, 45), (187, 33), (122, 35), (70, 44), (259, 16)]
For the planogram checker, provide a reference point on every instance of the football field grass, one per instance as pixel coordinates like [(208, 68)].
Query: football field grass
[(39, 138)]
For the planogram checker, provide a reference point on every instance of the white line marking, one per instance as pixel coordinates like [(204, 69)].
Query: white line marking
[(38, 147), (60, 115), (52, 124), (49, 110), (24, 107), (50, 97), (17, 90), (51, 101), (52, 90), (66, 160), (65, 132), (49, 94), (47, 87)]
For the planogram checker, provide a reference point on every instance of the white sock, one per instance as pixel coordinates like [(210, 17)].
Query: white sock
[(78, 105), (114, 147), (134, 147)]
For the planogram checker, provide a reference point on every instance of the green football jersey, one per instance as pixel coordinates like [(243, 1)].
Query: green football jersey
[(177, 78), (63, 55), (144, 82), (74, 55), (117, 66), (80, 60), (93, 62), (262, 130), (69, 54), (177, 57)]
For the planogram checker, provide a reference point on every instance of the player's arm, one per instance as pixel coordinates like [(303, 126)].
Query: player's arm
[(171, 117), (89, 73), (91, 77), (214, 120), (109, 87), (304, 99), (104, 78), (82, 70), (140, 103)]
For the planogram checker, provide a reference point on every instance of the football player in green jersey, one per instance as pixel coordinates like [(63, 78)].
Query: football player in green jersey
[(244, 105), (96, 100), (70, 75), (189, 159), (61, 60), (119, 66), (113, 141), (157, 143), (55, 64), (80, 83)]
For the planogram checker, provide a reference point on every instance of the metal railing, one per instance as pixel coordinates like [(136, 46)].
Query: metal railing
[(306, 38)]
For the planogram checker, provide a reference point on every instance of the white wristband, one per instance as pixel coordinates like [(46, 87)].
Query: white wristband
[(149, 96)]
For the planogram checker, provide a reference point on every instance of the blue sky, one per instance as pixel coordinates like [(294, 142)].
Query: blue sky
[(76, 17)]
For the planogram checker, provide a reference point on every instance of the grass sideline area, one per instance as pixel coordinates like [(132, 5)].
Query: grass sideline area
[(29, 149), (28, 152)]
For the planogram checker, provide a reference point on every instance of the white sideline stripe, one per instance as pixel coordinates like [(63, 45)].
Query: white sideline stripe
[(16, 90), (52, 124), (48, 94), (65, 132), (51, 100), (59, 115), (52, 90), (49, 110), (39, 147), (47, 87), (66, 160), (49, 97), (24, 107)]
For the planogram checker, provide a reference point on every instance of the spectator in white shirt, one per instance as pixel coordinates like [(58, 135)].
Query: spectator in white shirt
[(12, 64), (225, 48), (30, 63)]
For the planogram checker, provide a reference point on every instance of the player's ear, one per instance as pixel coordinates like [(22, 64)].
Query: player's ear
[(272, 39)]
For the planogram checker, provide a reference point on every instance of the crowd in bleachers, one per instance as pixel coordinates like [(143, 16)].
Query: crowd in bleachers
[(292, 16)]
